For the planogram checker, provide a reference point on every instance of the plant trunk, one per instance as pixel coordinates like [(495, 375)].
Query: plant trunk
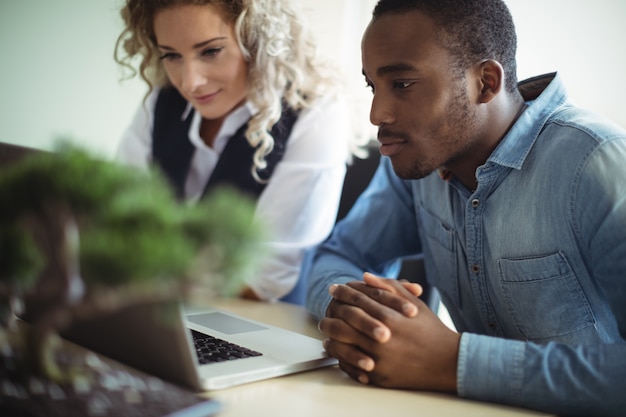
[(58, 289)]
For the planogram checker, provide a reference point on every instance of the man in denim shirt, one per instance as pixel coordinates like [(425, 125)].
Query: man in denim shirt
[(515, 198)]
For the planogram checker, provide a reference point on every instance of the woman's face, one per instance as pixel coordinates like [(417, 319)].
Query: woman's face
[(202, 59)]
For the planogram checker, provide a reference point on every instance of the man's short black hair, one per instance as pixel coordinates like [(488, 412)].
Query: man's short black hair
[(472, 30)]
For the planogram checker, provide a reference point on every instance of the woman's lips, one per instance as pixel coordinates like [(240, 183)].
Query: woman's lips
[(207, 98)]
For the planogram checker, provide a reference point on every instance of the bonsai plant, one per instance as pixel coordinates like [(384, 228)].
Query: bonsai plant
[(80, 236)]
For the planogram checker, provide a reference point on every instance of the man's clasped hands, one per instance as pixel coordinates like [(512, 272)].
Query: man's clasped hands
[(383, 334)]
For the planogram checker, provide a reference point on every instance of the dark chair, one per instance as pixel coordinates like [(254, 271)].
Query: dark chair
[(358, 177)]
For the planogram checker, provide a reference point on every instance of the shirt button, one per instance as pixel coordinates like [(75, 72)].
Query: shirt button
[(475, 268), (475, 202)]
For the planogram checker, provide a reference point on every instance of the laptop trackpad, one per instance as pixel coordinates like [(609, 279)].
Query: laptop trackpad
[(223, 323)]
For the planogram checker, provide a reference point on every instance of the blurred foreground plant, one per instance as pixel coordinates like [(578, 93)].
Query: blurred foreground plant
[(80, 236)]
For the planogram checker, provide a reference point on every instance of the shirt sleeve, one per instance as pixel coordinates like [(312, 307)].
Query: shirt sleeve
[(135, 147), (373, 237), (557, 378), (299, 205)]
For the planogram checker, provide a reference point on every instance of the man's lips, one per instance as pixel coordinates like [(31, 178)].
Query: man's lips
[(390, 146)]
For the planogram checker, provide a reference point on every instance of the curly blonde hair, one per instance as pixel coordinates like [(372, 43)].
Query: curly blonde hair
[(282, 62)]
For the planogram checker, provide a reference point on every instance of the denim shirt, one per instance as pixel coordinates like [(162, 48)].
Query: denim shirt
[(531, 265)]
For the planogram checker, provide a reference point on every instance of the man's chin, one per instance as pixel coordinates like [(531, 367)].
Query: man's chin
[(408, 173)]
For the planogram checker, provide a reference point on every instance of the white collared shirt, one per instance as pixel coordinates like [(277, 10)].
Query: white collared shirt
[(299, 204)]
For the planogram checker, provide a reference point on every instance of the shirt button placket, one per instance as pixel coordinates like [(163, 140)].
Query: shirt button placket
[(475, 268), (475, 265)]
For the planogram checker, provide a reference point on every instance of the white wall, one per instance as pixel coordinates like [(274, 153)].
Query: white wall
[(58, 73), (59, 78), (583, 40)]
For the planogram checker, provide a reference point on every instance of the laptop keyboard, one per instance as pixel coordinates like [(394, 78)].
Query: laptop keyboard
[(211, 349), (104, 389)]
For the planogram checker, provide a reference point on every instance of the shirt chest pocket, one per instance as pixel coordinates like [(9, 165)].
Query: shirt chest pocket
[(545, 299)]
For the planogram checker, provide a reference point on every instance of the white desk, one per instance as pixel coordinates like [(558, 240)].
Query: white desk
[(328, 392)]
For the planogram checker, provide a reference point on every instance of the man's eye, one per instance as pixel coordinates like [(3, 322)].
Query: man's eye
[(370, 86), (402, 84)]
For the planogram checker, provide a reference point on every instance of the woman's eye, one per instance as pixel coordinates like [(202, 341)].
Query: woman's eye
[(370, 86), (168, 56), (211, 51)]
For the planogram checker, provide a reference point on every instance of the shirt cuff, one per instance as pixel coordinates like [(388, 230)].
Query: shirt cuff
[(490, 368), (318, 297)]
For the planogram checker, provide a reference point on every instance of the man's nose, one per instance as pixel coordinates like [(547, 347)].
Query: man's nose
[(381, 111)]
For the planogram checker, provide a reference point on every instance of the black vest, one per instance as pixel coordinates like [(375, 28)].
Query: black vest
[(173, 152)]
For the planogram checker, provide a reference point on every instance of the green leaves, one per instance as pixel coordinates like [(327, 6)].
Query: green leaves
[(135, 241), (132, 229)]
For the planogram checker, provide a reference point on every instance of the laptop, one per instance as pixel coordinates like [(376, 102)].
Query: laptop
[(159, 338)]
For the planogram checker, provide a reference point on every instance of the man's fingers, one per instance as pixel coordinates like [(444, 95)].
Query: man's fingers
[(367, 314), (399, 287), (387, 295), (341, 331), (355, 373), (357, 361), (353, 316), (412, 287)]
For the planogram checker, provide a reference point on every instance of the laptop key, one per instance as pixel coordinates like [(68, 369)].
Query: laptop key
[(211, 349)]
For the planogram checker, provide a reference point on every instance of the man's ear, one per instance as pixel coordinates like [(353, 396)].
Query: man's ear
[(492, 80)]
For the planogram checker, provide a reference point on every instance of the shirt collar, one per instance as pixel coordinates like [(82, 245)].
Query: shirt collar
[(543, 95), (232, 123)]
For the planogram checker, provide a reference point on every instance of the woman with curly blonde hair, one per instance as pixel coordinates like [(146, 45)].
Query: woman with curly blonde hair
[(236, 96)]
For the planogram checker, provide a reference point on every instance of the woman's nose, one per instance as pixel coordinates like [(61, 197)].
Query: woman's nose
[(192, 77)]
